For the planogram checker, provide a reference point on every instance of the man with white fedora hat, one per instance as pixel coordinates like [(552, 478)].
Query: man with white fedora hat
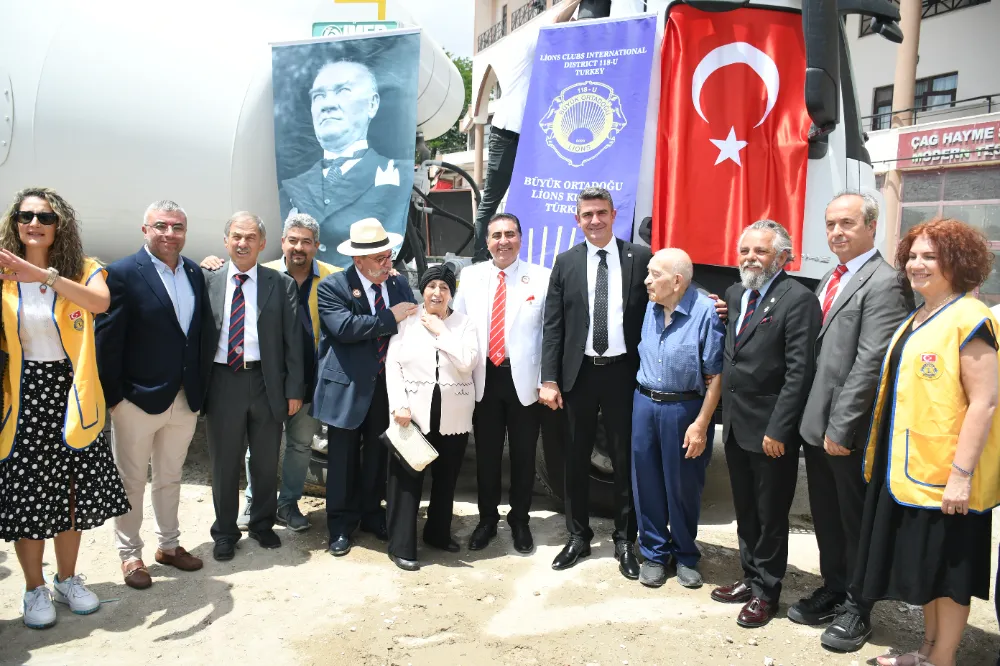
[(359, 309)]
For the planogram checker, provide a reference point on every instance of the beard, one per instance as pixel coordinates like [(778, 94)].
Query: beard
[(752, 280)]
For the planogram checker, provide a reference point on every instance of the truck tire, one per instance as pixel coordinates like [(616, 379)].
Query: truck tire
[(550, 464)]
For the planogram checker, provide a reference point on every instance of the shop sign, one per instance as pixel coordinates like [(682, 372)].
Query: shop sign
[(944, 146)]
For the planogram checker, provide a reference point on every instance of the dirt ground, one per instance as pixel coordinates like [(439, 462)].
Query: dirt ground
[(298, 605)]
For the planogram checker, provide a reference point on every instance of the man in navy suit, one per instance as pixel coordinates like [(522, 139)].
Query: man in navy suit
[(359, 310), (150, 347)]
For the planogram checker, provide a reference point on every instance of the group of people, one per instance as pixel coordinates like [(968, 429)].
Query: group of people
[(894, 406)]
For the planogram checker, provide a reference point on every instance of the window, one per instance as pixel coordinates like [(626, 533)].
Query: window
[(971, 195), (931, 95), (930, 8)]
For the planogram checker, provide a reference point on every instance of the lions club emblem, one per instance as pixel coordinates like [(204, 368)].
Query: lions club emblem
[(928, 366), (583, 121), (77, 319)]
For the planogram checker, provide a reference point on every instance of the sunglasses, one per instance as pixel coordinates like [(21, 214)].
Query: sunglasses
[(26, 216)]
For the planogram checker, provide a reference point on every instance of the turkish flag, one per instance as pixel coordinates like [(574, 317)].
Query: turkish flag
[(732, 142)]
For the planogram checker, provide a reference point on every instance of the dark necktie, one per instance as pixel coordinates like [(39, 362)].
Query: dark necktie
[(336, 163), (383, 342), (237, 322), (751, 306), (601, 305)]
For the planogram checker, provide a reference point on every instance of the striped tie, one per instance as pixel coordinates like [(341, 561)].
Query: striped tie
[(751, 306), (831, 289), (497, 342), (237, 321), (383, 342)]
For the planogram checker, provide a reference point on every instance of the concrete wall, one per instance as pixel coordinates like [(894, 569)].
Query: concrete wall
[(964, 41)]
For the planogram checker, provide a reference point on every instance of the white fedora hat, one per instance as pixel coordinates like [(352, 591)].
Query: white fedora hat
[(368, 237)]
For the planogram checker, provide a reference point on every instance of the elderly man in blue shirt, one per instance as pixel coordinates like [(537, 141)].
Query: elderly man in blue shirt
[(680, 366)]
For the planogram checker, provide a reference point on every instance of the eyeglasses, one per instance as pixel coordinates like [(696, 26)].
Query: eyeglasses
[(26, 216)]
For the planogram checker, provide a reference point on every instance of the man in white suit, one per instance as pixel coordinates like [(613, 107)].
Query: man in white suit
[(505, 298)]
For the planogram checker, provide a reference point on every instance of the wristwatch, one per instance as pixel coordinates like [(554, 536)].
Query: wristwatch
[(51, 279)]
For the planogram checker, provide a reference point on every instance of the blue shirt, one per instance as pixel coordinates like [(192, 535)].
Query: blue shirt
[(675, 358), (746, 298), (179, 289)]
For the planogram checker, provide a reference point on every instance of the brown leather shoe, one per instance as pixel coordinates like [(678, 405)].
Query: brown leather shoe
[(756, 613), (737, 593), (136, 575), (181, 559)]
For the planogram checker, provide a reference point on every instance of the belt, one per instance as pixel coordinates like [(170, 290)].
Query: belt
[(660, 396), (503, 364), (604, 360), (246, 365)]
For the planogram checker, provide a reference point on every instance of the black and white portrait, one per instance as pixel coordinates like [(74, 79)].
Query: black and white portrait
[(345, 126)]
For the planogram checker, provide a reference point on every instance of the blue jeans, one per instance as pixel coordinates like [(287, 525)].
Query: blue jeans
[(299, 432)]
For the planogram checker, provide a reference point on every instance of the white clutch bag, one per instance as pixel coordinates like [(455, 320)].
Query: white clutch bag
[(411, 445)]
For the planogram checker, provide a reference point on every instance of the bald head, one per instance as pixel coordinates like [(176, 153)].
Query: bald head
[(670, 274)]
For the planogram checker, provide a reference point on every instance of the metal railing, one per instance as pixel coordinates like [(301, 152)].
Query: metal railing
[(496, 32), (525, 13), (930, 8), (932, 112)]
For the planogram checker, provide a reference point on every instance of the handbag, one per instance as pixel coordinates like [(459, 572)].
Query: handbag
[(411, 445)]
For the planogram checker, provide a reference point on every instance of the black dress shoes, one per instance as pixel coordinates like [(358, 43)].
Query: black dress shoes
[(756, 613), (224, 550), (628, 563), (523, 543), (576, 548), (848, 633), (340, 546), (379, 531), (737, 593), (266, 538), (405, 565), (482, 535), (450, 546)]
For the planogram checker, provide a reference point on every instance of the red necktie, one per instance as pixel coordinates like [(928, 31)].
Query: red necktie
[(497, 342), (751, 306), (831, 289)]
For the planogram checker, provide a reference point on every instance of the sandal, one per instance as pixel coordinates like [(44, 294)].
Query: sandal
[(908, 659)]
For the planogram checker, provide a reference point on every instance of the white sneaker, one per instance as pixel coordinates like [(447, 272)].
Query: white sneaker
[(72, 591), (39, 613)]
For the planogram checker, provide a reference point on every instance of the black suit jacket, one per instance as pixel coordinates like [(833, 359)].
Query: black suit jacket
[(567, 310), (366, 190), (767, 375), (143, 355), (348, 347), (279, 334)]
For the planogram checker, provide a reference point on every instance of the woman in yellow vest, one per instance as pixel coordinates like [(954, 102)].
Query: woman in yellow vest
[(57, 474), (932, 461)]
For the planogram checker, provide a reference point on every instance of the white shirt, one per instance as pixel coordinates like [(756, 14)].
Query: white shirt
[(616, 309), (513, 72), (39, 336), (179, 289), (746, 298), (853, 266), (371, 295), (509, 279), (351, 149), (251, 342)]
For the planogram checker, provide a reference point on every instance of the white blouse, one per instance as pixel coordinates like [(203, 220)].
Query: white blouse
[(39, 335)]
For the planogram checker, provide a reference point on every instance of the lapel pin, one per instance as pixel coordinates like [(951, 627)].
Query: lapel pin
[(772, 300), (628, 254), (357, 293), (766, 309), (524, 279)]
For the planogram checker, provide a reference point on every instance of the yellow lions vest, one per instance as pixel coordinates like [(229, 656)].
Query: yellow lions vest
[(85, 407), (323, 269), (928, 411)]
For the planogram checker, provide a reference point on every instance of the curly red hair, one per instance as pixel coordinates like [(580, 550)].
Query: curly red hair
[(962, 251)]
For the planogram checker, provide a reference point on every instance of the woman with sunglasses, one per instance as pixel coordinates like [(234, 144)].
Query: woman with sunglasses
[(57, 474)]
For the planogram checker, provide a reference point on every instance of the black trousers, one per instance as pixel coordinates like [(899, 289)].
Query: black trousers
[(405, 487), (763, 489), (837, 501), (356, 469), (239, 415), (608, 389), (499, 167), (499, 414)]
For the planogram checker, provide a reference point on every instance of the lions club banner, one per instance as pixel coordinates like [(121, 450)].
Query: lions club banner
[(583, 127)]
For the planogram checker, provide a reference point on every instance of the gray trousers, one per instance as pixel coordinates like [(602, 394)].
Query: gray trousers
[(238, 412)]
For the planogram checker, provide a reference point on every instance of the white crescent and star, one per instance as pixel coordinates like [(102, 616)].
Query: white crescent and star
[(732, 54)]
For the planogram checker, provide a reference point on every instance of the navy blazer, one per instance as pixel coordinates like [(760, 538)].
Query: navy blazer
[(348, 346), (143, 355)]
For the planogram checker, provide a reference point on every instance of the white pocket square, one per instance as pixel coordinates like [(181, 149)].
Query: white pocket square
[(388, 177)]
